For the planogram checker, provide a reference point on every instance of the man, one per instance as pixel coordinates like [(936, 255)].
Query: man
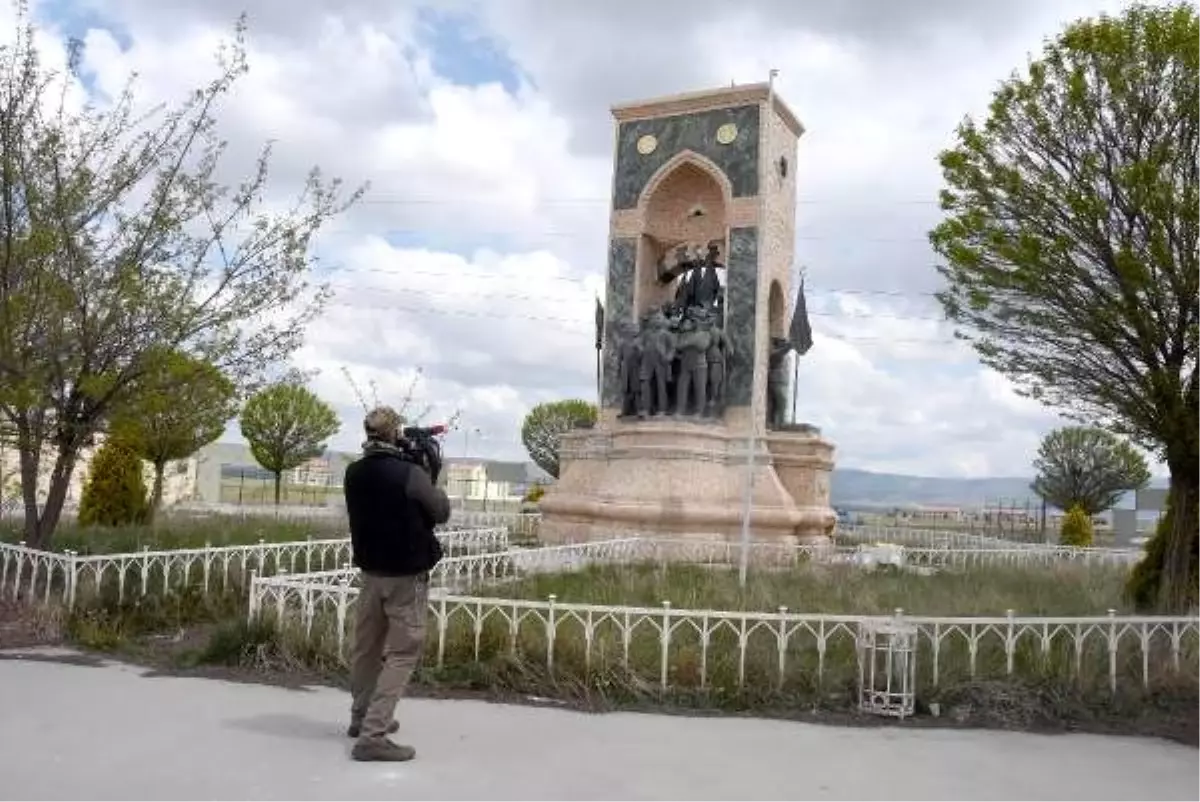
[(393, 506)]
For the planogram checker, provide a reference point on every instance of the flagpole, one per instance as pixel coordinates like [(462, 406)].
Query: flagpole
[(795, 383), (796, 362)]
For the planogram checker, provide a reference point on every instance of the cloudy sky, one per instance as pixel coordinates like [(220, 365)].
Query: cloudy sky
[(484, 130)]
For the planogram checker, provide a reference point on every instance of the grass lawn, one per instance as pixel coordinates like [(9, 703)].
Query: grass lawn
[(1068, 590), (179, 533)]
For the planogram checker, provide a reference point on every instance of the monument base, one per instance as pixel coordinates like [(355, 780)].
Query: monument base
[(680, 478)]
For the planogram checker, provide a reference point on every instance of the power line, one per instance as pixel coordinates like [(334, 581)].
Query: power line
[(579, 234), (582, 326), (383, 200), (547, 298), (583, 279)]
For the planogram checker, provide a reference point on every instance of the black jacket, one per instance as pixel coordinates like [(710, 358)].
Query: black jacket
[(393, 507)]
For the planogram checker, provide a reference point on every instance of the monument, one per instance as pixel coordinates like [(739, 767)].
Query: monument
[(695, 332)]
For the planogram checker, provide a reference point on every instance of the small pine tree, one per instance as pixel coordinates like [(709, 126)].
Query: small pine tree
[(1077, 528), (115, 493)]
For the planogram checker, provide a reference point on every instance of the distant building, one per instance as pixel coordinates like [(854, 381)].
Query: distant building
[(227, 472), (488, 480), (179, 478)]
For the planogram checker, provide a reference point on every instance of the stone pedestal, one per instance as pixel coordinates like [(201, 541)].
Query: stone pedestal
[(804, 464), (681, 478)]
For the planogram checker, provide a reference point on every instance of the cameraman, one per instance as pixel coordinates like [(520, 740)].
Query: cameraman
[(393, 506)]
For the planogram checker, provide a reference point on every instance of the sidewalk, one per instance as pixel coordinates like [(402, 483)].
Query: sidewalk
[(107, 732)]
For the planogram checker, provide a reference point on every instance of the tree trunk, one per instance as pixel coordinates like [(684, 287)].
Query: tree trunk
[(1178, 591), (157, 494), (29, 453), (60, 483), (278, 485)]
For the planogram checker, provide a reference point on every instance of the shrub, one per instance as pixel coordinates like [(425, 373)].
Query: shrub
[(534, 494), (115, 493), (1145, 580), (1076, 528)]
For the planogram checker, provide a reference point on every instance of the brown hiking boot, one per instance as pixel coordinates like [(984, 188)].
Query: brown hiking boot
[(355, 728), (381, 749)]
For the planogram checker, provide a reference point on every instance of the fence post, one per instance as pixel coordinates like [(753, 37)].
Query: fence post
[(254, 597), (1112, 650), (441, 617), (207, 564), (145, 569), (551, 629), (72, 578), (341, 618), (665, 646)]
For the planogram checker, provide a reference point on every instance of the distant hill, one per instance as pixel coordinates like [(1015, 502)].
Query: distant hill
[(855, 488)]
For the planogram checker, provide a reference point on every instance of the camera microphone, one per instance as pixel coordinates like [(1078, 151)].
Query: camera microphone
[(424, 432)]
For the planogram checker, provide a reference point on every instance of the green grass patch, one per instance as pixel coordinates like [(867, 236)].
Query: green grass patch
[(179, 533), (108, 625), (1066, 590)]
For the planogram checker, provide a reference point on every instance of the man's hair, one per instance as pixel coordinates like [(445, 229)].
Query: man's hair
[(383, 423)]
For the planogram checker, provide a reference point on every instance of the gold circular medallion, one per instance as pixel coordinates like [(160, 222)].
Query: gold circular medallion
[(646, 144), (727, 133)]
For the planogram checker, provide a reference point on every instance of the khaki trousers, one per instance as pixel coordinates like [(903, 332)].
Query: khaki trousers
[(389, 640)]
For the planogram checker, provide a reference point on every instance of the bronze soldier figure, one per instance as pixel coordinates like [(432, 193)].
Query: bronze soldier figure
[(657, 351), (630, 355), (777, 380), (693, 369)]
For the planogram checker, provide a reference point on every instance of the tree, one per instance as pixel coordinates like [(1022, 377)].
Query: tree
[(117, 242), (115, 493), (286, 424), (1087, 467), (1144, 580), (545, 425), (1070, 242), (1077, 529), (182, 405)]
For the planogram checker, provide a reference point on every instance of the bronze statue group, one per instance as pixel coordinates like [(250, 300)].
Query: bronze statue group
[(675, 360)]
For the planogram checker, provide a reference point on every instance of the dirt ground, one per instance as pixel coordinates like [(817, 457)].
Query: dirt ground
[(22, 626)]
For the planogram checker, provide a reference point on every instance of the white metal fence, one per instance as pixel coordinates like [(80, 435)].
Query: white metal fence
[(942, 538), (698, 648), (47, 575)]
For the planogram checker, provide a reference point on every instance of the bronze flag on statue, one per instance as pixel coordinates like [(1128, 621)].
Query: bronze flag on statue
[(801, 333)]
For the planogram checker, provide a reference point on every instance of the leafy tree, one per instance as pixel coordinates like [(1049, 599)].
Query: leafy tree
[(115, 493), (182, 405), (118, 242), (547, 422), (1070, 241), (286, 425), (1077, 529), (1087, 467)]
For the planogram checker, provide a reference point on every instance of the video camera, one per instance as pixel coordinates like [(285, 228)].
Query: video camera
[(420, 446)]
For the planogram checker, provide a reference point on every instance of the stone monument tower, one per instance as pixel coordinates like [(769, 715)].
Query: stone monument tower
[(699, 271)]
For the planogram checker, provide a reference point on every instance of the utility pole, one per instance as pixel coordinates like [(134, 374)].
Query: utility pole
[(756, 413)]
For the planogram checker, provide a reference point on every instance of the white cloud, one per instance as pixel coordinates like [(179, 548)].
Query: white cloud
[(480, 247)]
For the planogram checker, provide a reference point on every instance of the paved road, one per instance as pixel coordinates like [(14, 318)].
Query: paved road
[(107, 732)]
